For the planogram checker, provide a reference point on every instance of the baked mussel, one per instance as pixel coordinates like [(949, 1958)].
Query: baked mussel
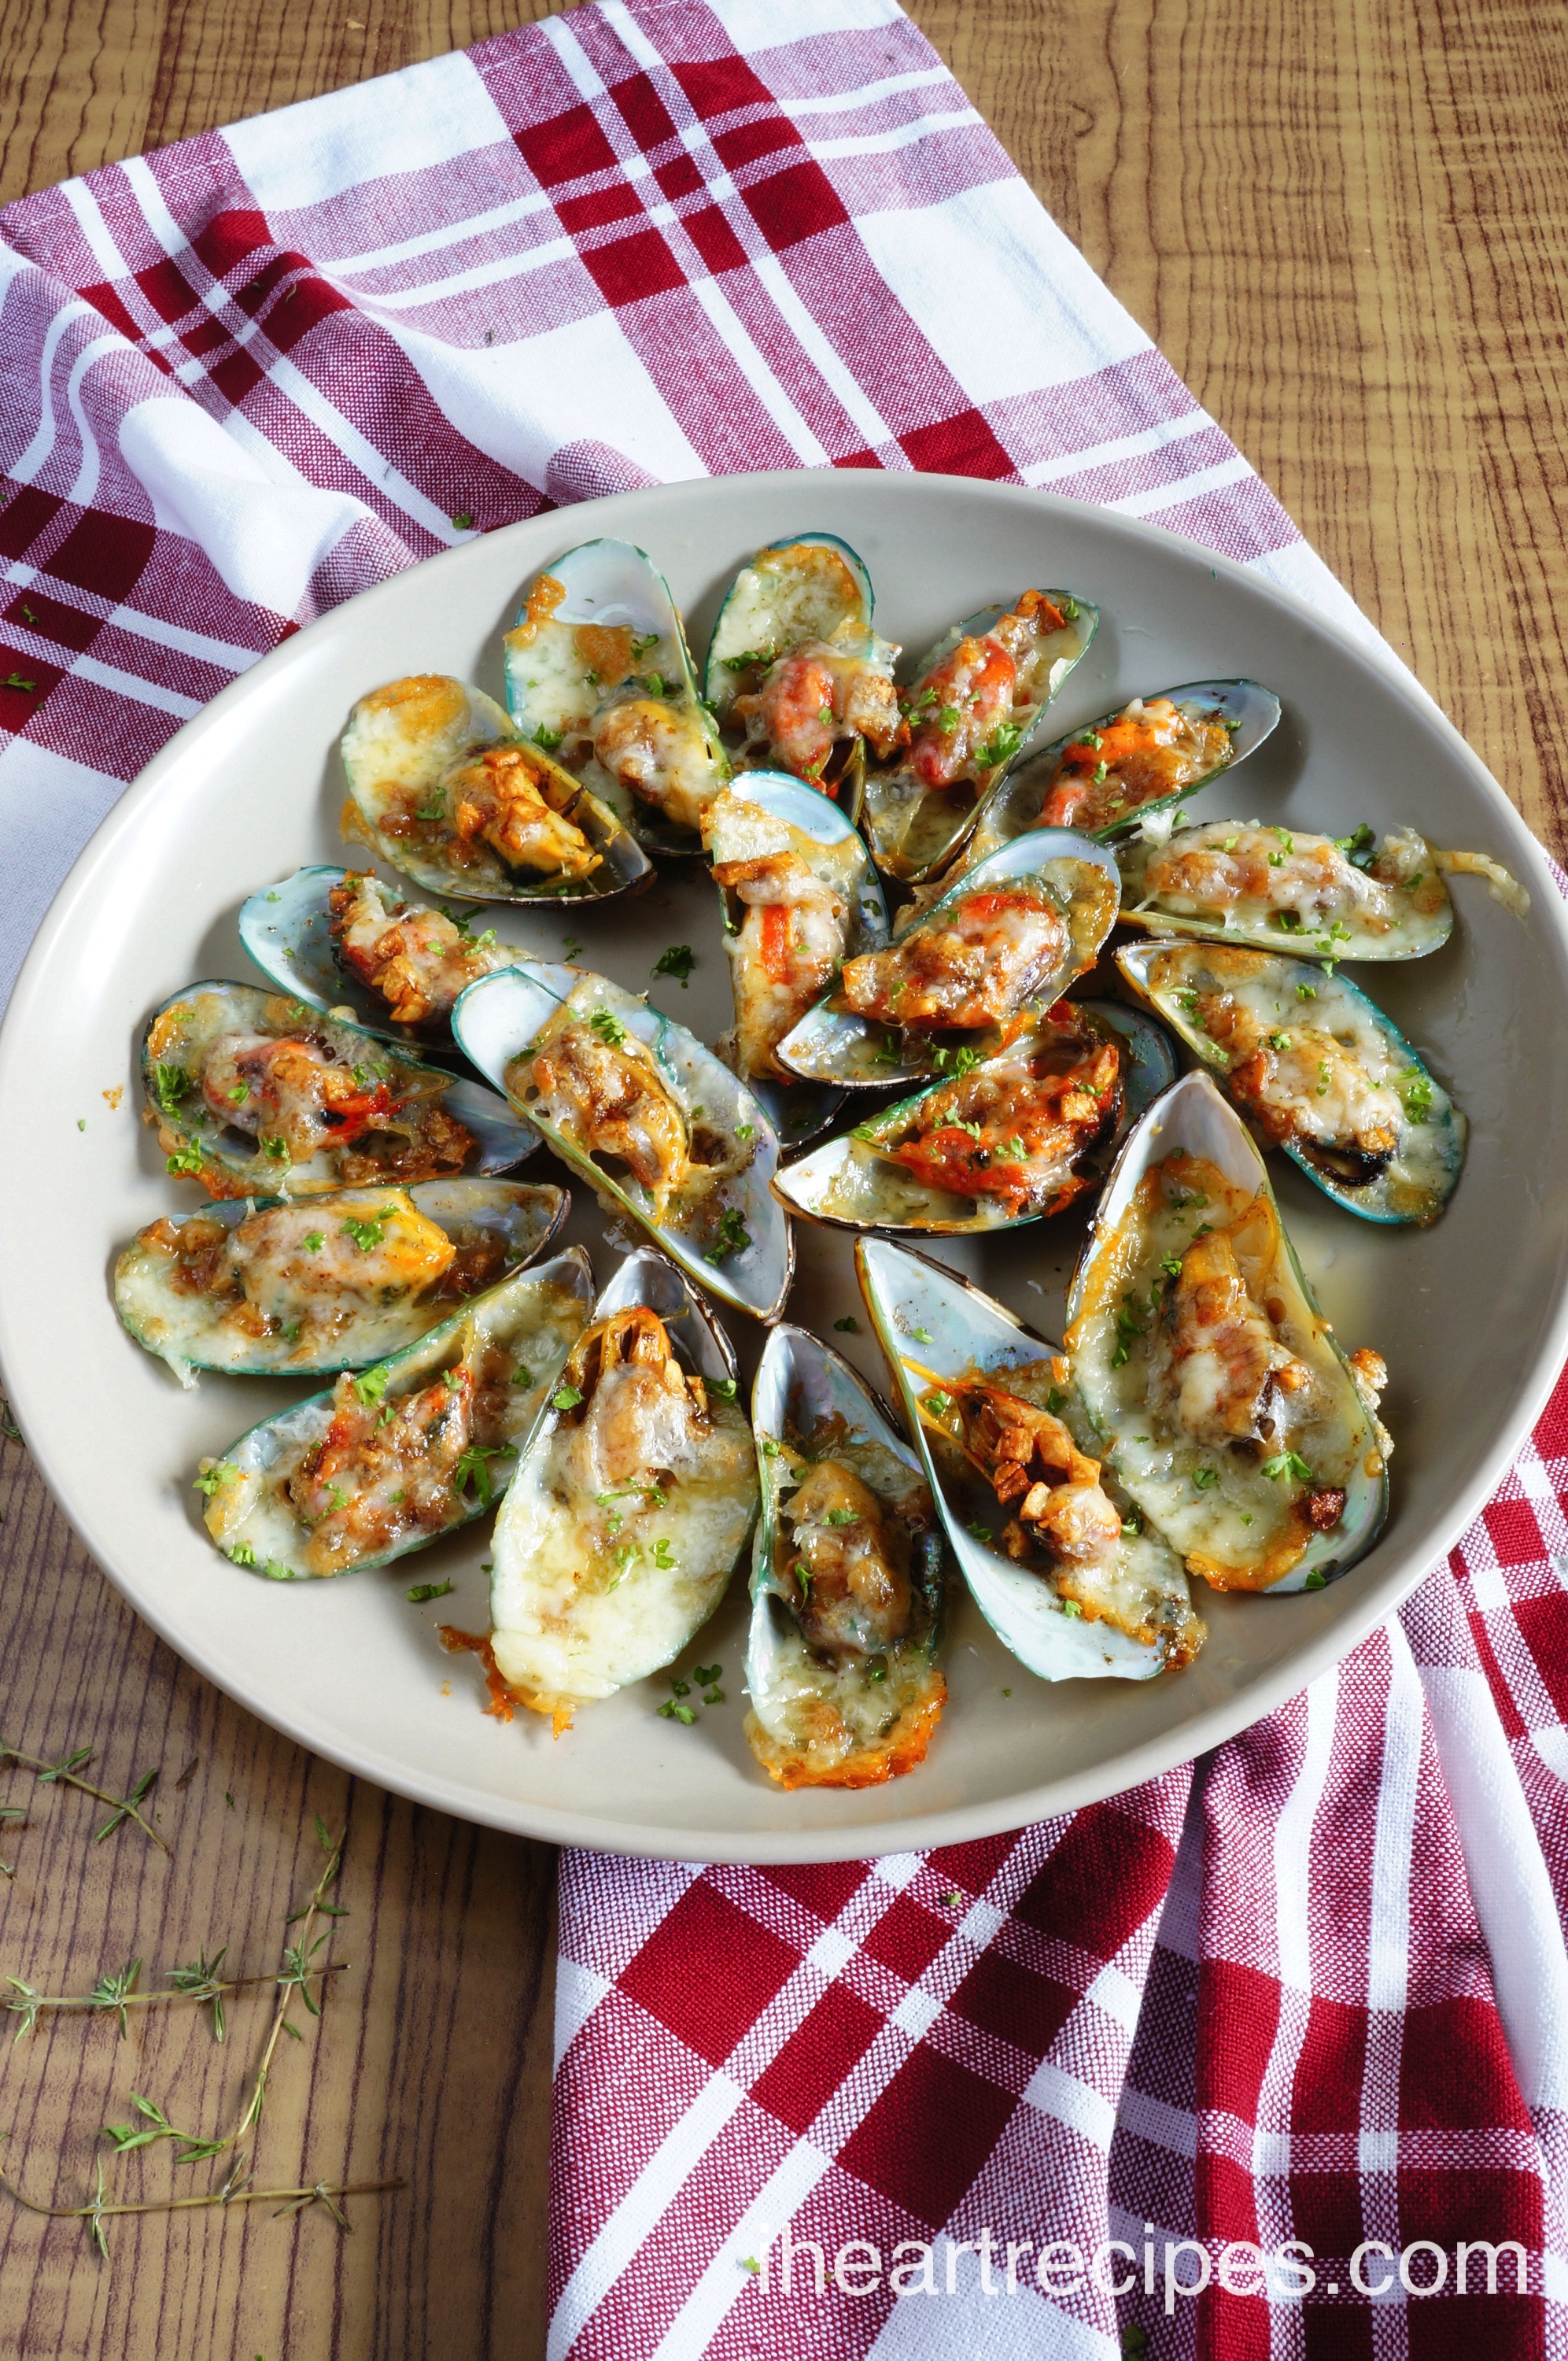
[(657, 1123), (256, 1094), (598, 672), (1143, 757), (1215, 1389), (1007, 938), (849, 1570), (796, 676), (1071, 1576), (977, 700), (286, 1287), (631, 1509), (412, 1448), (343, 942), (1316, 1069), (1009, 1137), (443, 787), (799, 895), (1275, 888)]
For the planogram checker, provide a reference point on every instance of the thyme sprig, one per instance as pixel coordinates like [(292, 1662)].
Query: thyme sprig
[(67, 1772), (200, 1980), (100, 2207)]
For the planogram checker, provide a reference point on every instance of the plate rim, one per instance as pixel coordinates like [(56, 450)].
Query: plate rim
[(1209, 1726)]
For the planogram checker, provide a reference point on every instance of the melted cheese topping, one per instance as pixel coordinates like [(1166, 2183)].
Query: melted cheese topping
[(595, 1588), (1228, 1415)]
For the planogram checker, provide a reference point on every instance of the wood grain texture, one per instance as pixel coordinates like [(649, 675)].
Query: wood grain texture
[(1346, 224)]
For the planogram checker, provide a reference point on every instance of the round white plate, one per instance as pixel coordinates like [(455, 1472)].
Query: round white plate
[(1471, 1315)]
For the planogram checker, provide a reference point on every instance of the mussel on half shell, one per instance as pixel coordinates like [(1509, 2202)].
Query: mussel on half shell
[(1141, 757), (655, 1122), (796, 673), (1012, 935), (598, 672), (799, 895), (1020, 1134), (977, 700), (1319, 898), (1315, 1068), (413, 1448), (1067, 1573), (342, 941), (256, 1094), (443, 788), (849, 1569), (281, 1287), (631, 1509), (1215, 1387)]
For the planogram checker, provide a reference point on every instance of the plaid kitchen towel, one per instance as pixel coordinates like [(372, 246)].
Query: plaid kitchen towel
[(1260, 2061)]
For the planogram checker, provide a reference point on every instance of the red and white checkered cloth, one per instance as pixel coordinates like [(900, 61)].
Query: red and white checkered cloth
[(1316, 1991)]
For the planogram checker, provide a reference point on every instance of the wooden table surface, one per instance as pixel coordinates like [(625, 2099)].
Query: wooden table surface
[(1346, 222)]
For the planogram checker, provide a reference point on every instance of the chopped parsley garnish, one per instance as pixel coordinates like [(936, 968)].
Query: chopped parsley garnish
[(366, 1236), (372, 1385), (566, 1398), (1205, 1478), (678, 961), (463, 521), (848, 1326), (744, 1130), (421, 1591), (314, 1241), (210, 1479), (656, 682), (949, 717), (1287, 842), (1288, 921), (1359, 846), (841, 1517), (1279, 1040), (643, 644), (1415, 1091), (1001, 746), (922, 1335), (1070, 1606), (741, 663), (472, 1468), (938, 1404), (1306, 992), (1322, 1078), (825, 715), (242, 1555), (239, 1095), (1288, 1463), (1129, 1325), (546, 739), (433, 810), (671, 1711), (1316, 1580), (957, 1062), (979, 1532), (278, 1150), (1098, 776), (171, 1083), (664, 1557), (733, 1236), (186, 1159), (608, 1026), (723, 1387)]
